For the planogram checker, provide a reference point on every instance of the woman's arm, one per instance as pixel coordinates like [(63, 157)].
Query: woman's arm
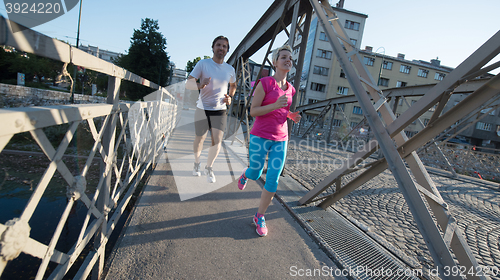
[(258, 96)]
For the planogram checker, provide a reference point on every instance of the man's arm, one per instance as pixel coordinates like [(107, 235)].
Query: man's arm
[(229, 97), (232, 89), (193, 85)]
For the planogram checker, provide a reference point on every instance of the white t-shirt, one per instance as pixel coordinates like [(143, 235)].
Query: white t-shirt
[(212, 96)]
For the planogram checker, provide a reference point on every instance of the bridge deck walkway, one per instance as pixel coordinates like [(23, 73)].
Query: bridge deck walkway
[(183, 227)]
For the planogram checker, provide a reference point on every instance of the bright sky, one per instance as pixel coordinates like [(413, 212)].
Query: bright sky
[(425, 29)]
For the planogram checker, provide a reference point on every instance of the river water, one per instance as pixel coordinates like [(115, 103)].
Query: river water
[(19, 174)]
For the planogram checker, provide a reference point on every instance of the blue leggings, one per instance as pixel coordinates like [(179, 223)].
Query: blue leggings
[(258, 149)]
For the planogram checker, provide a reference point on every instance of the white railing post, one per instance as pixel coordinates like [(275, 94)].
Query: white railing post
[(158, 127), (108, 160)]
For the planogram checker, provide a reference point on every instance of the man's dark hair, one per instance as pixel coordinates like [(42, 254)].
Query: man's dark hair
[(221, 38)]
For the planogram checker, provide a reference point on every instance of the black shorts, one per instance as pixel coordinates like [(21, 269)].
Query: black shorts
[(206, 119)]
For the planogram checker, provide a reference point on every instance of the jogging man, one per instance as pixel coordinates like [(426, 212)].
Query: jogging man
[(212, 77)]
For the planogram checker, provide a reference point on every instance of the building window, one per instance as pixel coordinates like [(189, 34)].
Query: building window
[(484, 111), (318, 87), (405, 69), (337, 122), (322, 36), (342, 73), (423, 73), (342, 90), (354, 41), (426, 122), (324, 54), (369, 61), (357, 110), (483, 126), (323, 71), (400, 84), (410, 134), (387, 65), (340, 107), (311, 101), (439, 76), (383, 82), (352, 25)]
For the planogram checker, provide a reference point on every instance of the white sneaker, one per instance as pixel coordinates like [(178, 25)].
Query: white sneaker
[(196, 169), (210, 174)]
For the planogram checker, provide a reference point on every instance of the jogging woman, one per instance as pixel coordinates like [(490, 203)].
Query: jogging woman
[(269, 134)]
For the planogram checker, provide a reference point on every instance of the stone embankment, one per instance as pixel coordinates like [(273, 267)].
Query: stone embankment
[(19, 96)]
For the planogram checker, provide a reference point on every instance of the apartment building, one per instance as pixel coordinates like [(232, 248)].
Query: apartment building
[(109, 56), (388, 72), (319, 59), (178, 76)]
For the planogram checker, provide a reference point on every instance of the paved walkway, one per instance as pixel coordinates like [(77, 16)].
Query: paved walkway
[(185, 228), (379, 206)]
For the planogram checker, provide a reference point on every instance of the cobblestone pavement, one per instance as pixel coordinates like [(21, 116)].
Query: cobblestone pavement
[(379, 205)]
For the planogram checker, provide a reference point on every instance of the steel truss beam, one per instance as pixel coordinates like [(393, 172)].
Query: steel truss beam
[(458, 127), (466, 121), (281, 14), (323, 113), (391, 94), (411, 91), (237, 115), (263, 31), (445, 236), (397, 149)]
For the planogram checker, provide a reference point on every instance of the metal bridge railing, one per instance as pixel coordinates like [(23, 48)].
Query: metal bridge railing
[(464, 159), (126, 137)]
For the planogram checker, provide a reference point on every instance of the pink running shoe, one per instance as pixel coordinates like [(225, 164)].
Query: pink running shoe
[(242, 181), (260, 222)]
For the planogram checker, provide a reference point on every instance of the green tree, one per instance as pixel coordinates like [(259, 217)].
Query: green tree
[(102, 82), (191, 64), (87, 78), (34, 67), (146, 57), (7, 58)]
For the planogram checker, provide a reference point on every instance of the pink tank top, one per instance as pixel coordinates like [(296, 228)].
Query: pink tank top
[(273, 125)]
